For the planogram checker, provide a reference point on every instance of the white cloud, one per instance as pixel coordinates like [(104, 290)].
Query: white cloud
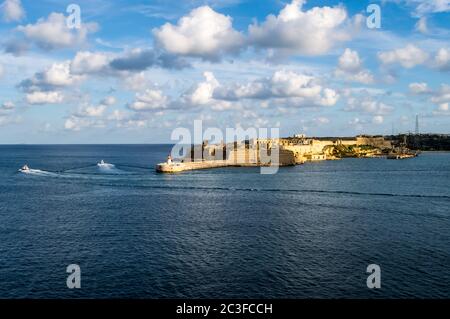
[(8, 105), (443, 107), (356, 121), (322, 120), (202, 93), (12, 10), (9, 119), (421, 25), (377, 119), (137, 81), (425, 7), (442, 95), (419, 88), (442, 59), (149, 100), (350, 61), (57, 75), (53, 33), (431, 6), (350, 67), (133, 123), (2, 71), (91, 111), (311, 32), (301, 88), (329, 98), (408, 57), (288, 83), (109, 100), (367, 105), (89, 62), (38, 97), (75, 123), (118, 115), (202, 33)]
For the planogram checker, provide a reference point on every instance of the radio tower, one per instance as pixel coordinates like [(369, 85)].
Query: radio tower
[(417, 124)]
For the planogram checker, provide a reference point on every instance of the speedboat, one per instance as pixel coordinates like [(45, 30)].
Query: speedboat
[(103, 164), (24, 169)]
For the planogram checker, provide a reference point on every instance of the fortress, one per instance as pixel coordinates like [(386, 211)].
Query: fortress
[(280, 152)]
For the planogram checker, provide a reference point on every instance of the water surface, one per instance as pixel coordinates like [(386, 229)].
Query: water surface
[(307, 232)]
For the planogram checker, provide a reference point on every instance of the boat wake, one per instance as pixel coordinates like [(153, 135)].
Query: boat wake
[(37, 172), (109, 168), (101, 168)]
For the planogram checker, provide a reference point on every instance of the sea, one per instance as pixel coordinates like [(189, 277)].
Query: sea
[(309, 231)]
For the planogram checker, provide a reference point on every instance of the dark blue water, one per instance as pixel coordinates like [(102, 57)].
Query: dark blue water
[(307, 232)]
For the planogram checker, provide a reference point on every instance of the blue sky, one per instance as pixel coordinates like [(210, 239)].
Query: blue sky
[(136, 70)]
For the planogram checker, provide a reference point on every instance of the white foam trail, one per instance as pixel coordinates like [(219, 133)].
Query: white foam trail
[(106, 166), (37, 172), (109, 168)]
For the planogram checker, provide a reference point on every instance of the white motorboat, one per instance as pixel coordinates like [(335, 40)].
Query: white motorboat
[(103, 164), (24, 169)]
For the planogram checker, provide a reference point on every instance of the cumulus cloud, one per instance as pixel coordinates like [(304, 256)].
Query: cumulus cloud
[(109, 101), (322, 120), (141, 59), (118, 115), (16, 47), (149, 100), (425, 7), (12, 10), (443, 107), (350, 61), (419, 88), (74, 123), (88, 115), (53, 33), (367, 105), (137, 81), (86, 62), (95, 110), (46, 86), (203, 92), (62, 75), (203, 33), (8, 105), (312, 32), (303, 89), (442, 59), (350, 67), (50, 97), (430, 6), (56, 76), (408, 57), (9, 119), (421, 25), (91, 111), (377, 119), (442, 95), (132, 61)]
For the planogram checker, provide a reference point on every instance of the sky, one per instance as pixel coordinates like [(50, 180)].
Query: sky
[(134, 71)]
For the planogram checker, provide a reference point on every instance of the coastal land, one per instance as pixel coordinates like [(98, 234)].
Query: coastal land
[(299, 149)]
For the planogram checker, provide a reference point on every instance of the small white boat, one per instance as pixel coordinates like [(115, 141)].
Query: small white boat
[(103, 164), (24, 169)]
